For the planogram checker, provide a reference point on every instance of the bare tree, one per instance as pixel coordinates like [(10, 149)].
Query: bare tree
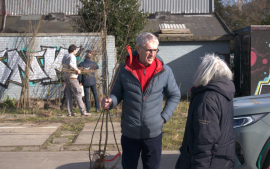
[(240, 4), (244, 13), (24, 98)]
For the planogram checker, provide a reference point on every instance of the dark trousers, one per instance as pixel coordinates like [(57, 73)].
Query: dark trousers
[(63, 101), (86, 96), (150, 150)]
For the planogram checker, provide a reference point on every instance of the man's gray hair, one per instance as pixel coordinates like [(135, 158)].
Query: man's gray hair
[(144, 38), (212, 67)]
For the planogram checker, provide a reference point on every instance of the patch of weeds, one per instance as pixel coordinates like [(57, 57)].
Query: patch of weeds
[(53, 119), (77, 111), (19, 148), (74, 126), (8, 102), (70, 140), (33, 118), (49, 141), (56, 112), (57, 134), (173, 130), (20, 120)]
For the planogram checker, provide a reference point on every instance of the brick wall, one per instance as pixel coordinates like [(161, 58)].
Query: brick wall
[(48, 52), (184, 58)]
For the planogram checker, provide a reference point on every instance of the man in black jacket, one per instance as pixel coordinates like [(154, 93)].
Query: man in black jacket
[(209, 141), (89, 80)]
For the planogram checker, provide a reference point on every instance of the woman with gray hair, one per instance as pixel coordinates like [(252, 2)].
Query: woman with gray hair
[(208, 141)]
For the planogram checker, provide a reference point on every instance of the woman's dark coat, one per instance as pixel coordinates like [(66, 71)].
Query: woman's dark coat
[(208, 140)]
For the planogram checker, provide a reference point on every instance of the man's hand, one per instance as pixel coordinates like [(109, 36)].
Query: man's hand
[(80, 84), (106, 103), (78, 71), (63, 83)]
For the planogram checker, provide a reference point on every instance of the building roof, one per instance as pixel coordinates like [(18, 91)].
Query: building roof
[(20, 24), (202, 26)]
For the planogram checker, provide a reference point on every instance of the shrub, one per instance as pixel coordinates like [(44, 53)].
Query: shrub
[(8, 102)]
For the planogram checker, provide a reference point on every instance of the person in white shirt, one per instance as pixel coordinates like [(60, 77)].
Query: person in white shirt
[(72, 83)]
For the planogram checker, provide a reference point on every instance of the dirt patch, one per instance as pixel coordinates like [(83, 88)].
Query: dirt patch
[(41, 104)]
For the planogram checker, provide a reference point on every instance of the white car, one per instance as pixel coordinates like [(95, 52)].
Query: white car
[(252, 132)]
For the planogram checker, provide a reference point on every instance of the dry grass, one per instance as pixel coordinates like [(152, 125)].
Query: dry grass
[(173, 130)]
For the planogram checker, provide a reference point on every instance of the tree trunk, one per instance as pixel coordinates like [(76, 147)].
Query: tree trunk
[(240, 4)]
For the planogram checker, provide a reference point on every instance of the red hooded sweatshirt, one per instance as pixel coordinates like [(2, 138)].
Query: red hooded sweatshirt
[(142, 73)]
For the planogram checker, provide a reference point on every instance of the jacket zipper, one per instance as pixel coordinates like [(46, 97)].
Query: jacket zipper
[(141, 117), (152, 80), (142, 98)]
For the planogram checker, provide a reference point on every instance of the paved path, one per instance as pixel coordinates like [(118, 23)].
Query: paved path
[(21, 147), (66, 160), (86, 134), (17, 134)]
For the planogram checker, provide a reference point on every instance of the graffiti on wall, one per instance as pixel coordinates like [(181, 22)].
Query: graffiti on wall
[(260, 62), (45, 66)]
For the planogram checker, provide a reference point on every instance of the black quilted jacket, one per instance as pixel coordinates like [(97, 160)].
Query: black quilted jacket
[(209, 141)]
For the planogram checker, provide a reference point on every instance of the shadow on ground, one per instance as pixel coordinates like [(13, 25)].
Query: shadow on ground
[(167, 161)]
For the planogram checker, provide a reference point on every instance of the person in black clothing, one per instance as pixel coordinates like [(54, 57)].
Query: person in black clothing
[(89, 80), (208, 140)]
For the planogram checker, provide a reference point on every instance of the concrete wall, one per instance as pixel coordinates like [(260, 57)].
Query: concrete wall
[(48, 51), (184, 58)]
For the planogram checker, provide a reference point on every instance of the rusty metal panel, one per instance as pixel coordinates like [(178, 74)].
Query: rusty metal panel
[(37, 7), (177, 6)]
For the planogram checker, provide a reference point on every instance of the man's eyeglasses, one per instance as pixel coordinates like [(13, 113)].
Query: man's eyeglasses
[(150, 50)]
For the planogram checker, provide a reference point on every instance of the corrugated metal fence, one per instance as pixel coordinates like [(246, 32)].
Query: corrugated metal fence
[(177, 6), (37, 7), (69, 7)]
